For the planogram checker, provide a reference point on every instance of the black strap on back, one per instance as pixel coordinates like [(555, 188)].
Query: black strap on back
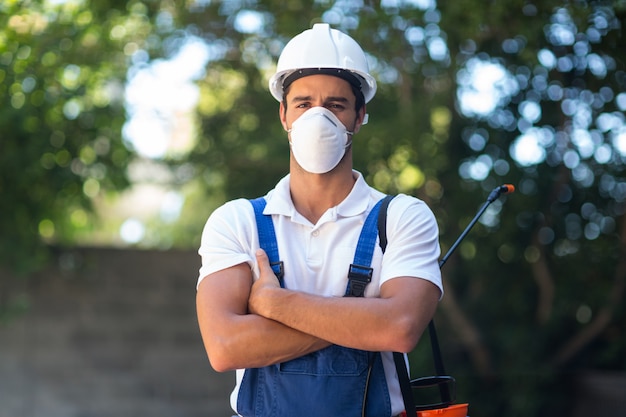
[(398, 358)]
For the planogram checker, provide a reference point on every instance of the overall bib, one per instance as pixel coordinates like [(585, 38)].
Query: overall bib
[(332, 382)]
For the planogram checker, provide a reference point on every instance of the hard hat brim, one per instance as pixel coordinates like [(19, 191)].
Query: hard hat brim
[(364, 82)]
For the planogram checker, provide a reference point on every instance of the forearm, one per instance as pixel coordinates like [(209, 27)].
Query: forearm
[(392, 322), (253, 341), (349, 322), (234, 338)]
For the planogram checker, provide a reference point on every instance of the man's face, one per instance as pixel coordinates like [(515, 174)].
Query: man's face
[(327, 91)]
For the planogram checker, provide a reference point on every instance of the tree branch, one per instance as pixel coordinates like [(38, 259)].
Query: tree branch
[(545, 282), (605, 315), (467, 332)]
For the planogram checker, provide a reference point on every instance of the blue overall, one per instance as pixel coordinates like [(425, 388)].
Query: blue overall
[(332, 382)]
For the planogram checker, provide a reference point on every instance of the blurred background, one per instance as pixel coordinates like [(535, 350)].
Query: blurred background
[(123, 124)]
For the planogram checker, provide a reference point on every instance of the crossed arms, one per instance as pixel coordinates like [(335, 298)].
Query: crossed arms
[(250, 325)]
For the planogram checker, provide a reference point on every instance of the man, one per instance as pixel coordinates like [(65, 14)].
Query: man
[(304, 349)]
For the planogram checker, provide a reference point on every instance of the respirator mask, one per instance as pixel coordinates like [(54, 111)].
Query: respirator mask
[(318, 140)]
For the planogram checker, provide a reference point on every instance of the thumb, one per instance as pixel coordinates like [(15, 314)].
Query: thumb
[(263, 262)]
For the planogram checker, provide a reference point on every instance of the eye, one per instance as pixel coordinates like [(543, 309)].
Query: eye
[(335, 106)]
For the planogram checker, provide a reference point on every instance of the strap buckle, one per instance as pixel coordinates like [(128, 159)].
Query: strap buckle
[(358, 278), (279, 270)]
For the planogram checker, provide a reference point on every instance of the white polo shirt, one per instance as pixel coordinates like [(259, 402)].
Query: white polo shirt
[(317, 256)]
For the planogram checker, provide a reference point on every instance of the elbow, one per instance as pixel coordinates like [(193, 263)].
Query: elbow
[(220, 356), (405, 336), (219, 365), (220, 360), (405, 344)]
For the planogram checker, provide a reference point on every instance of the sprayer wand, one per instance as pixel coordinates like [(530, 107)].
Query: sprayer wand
[(493, 196), (441, 380)]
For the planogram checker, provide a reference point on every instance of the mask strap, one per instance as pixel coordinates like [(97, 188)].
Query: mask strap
[(349, 140)]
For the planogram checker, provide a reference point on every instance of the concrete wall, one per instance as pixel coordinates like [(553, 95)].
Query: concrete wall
[(110, 333), (114, 333)]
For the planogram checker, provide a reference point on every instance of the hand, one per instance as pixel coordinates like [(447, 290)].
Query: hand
[(258, 302)]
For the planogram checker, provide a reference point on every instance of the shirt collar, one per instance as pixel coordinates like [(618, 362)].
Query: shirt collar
[(357, 202)]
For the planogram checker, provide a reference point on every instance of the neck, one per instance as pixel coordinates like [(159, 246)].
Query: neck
[(313, 194)]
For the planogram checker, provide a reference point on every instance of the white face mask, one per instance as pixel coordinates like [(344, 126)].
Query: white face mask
[(318, 140)]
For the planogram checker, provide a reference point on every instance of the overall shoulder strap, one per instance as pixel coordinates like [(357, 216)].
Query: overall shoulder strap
[(267, 237), (360, 272)]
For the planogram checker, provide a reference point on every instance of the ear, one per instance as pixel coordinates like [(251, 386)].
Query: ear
[(360, 118), (282, 116)]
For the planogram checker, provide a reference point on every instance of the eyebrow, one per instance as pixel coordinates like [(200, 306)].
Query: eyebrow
[(341, 99)]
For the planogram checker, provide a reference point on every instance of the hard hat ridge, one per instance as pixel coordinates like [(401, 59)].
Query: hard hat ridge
[(320, 47)]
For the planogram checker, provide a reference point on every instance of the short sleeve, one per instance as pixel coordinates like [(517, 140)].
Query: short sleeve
[(413, 242), (228, 238)]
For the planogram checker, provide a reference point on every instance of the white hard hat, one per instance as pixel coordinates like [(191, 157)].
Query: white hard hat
[(322, 50)]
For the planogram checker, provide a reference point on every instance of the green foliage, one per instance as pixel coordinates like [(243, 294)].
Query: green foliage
[(62, 80)]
